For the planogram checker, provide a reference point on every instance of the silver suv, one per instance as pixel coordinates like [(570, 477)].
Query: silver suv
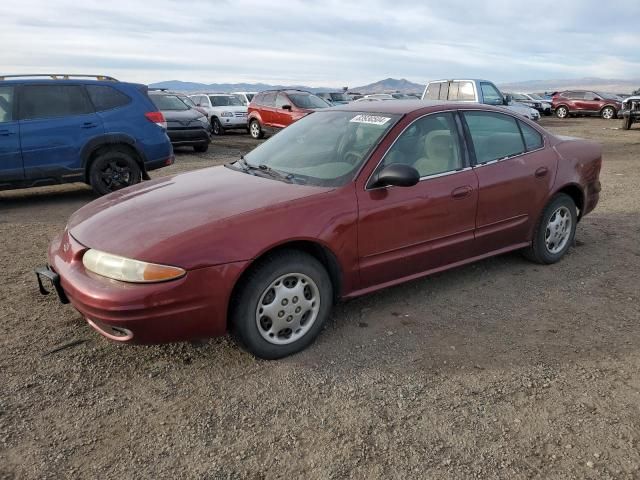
[(475, 91), (225, 111)]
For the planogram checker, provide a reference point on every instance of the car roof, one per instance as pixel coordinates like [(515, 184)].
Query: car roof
[(477, 80), (403, 107), (65, 81)]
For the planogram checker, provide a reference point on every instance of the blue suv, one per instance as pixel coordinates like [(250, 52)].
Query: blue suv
[(64, 128)]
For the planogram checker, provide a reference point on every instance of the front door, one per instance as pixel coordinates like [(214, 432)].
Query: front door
[(515, 174), (11, 169), (56, 122), (407, 231)]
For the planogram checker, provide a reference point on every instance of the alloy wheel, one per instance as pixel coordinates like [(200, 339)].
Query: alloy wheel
[(116, 174), (558, 230), (607, 113), (287, 308)]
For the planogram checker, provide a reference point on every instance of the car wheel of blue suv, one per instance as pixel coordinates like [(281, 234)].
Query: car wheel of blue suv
[(112, 170)]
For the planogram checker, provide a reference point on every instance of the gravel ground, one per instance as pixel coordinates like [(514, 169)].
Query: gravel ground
[(501, 369)]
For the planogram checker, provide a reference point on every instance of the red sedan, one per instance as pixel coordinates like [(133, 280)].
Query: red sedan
[(342, 203)]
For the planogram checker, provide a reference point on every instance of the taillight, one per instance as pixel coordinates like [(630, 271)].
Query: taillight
[(157, 118)]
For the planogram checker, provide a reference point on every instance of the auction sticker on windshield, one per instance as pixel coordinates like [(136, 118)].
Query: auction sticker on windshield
[(372, 119)]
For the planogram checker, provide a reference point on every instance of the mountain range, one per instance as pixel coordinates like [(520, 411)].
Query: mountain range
[(405, 86)]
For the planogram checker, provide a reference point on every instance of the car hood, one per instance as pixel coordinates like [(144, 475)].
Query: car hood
[(232, 108), (169, 219), (180, 115)]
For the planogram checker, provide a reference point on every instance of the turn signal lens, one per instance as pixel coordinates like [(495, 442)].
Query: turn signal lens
[(127, 269)]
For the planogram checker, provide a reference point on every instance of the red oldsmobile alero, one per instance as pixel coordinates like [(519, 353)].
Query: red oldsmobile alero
[(343, 202)]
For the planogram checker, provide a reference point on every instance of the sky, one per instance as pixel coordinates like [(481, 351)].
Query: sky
[(322, 43)]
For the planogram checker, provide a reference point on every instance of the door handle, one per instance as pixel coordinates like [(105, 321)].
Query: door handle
[(541, 172), (89, 125), (461, 192), (6, 133)]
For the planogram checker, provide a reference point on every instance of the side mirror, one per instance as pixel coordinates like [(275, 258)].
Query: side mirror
[(286, 107), (597, 99), (396, 175), (508, 99)]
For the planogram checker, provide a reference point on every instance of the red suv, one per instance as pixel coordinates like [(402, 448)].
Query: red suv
[(584, 102), (272, 110)]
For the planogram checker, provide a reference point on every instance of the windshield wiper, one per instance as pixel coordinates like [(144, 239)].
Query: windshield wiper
[(287, 177)]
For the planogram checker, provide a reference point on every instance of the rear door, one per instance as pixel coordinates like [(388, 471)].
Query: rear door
[(10, 156), (515, 175), (267, 110), (576, 101), (56, 122)]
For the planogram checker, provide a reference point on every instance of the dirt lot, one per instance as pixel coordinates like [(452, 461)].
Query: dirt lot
[(502, 369)]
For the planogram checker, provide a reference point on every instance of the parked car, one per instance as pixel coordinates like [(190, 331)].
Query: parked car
[(534, 101), (225, 111), (70, 128), (585, 102), (344, 202), (273, 110), (402, 96), (186, 126), (245, 97), (630, 111), (334, 98), (380, 96), (191, 104), (476, 91)]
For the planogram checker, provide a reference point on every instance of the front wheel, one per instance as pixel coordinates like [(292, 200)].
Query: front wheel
[(608, 113), (255, 129), (282, 305), (562, 112), (555, 231), (201, 148), (112, 170), (217, 127)]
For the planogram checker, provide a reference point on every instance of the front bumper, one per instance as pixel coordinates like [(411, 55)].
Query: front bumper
[(194, 306), (233, 122), (188, 136)]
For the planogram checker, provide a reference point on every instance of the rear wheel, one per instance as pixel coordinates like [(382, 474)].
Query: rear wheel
[(255, 129), (282, 305), (112, 170), (627, 122), (216, 127), (608, 113), (203, 147), (555, 231), (562, 112)]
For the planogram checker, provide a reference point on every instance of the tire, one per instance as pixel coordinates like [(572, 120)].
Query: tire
[(203, 147), (552, 236), (255, 130), (113, 170), (216, 127), (562, 112), (627, 122), (290, 286), (608, 113)]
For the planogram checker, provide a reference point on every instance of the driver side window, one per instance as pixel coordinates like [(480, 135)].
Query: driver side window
[(430, 145)]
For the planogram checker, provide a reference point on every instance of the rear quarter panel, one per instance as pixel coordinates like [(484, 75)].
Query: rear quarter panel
[(579, 165)]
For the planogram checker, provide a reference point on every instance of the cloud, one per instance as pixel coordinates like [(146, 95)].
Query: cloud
[(322, 43)]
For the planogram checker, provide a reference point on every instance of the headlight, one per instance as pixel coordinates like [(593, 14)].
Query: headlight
[(128, 270), (226, 114)]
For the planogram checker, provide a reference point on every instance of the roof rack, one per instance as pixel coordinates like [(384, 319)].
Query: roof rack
[(59, 76), (286, 90)]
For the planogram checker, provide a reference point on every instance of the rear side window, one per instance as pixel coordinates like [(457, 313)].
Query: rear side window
[(106, 98), (282, 100), (269, 99), (495, 136), (48, 101), (574, 95), (257, 100), (6, 104), (532, 138)]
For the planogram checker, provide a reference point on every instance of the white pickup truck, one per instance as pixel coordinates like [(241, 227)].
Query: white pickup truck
[(476, 91)]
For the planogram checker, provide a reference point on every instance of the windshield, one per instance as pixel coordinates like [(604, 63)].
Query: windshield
[(168, 102), (339, 97), (225, 101), (324, 148), (519, 96), (188, 101), (535, 96), (609, 96), (306, 100)]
